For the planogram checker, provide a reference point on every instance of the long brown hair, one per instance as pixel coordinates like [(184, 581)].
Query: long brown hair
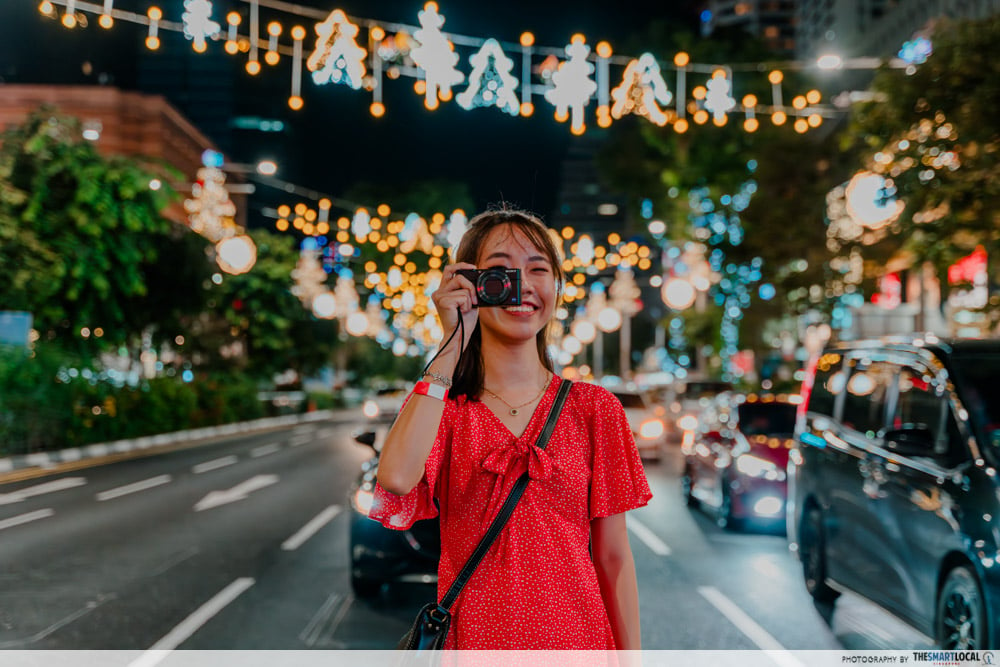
[(470, 373)]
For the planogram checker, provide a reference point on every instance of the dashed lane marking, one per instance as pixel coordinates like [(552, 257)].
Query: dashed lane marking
[(183, 631), (26, 518), (648, 537), (311, 528), (758, 635), (133, 488), (214, 464), (39, 489), (264, 450)]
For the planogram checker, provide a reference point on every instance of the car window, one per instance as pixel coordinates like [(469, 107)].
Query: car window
[(767, 418), (922, 402), (975, 380), (865, 399), (829, 381)]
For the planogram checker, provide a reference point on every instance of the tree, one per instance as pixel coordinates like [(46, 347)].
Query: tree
[(931, 130), (82, 237)]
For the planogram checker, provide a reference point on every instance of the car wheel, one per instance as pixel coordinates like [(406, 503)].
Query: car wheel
[(365, 588), (961, 620), (726, 519), (812, 552), (687, 488)]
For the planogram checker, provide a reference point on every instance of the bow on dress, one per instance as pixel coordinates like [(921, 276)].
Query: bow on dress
[(509, 461)]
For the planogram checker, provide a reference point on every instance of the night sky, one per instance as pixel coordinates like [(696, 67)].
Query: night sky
[(334, 142)]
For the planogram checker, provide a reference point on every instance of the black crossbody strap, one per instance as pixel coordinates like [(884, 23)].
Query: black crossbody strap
[(508, 505)]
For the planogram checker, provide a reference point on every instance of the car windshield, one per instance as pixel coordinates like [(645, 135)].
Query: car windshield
[(977, 389), (630, 400), (767, 418)]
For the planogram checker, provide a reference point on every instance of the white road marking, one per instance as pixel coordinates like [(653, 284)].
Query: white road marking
[(238, 492), (202, 615), (39, 489), (264, 450), (214, 464), (758, 635), (26, 518), (648, 537), (300, 440), (133, 488), (311, 528)]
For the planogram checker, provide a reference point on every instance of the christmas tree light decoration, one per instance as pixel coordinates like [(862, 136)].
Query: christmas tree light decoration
[(361, 224), (210, 211), (641, 91), (106, 21), (490, 82), (572, 86), (337, 57), (232, 46), (272, 57), (198, 23), (295, 99), (435, 54), (308, 275), (152, 37), (718, 102)]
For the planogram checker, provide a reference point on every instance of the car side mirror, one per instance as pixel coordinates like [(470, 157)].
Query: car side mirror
[(910, 440), (366, 438)]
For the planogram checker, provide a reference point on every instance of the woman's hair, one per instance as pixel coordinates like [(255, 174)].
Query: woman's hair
[(470, 373)]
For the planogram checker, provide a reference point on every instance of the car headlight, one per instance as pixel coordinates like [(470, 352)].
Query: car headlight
[(363, 499), (651, 428), (754, 466), (370, 409)]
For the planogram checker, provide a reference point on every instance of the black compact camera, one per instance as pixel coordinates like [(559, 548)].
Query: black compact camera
[(495, 287)]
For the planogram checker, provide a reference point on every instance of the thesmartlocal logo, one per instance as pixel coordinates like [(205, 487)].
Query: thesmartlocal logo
[(955, 657)]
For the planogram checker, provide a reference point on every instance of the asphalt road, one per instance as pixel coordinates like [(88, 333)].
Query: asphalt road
[(243, 544)]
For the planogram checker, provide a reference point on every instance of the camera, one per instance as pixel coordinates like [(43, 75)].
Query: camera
[(495, 287)]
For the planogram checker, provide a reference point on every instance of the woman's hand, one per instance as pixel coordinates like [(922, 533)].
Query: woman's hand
[(456, 294)]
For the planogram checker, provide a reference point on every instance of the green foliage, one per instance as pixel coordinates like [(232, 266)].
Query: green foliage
[(946, 106)]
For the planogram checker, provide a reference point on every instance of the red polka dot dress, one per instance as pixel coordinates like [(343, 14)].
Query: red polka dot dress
[(537, 587)]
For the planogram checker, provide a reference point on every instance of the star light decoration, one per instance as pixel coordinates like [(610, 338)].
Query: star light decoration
[(337, 56), (642, 91), (490, 82), (572, 86), (435, 54), (198, 23)]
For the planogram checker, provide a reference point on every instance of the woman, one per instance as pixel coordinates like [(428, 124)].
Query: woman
[(539, 586)]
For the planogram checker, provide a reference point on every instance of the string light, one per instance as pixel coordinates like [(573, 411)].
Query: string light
[(152, 38)]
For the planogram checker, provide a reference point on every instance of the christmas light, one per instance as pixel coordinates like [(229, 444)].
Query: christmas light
[(490, 82), (572, 86), (717, 99), (198, 23), (106, 21), (295, 100), (337, 56), (641, 91), (436, 55), (272, 57), (152, 37), (253, 65), (232, 46)]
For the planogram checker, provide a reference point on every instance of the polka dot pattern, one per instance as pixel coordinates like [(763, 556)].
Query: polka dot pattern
[(536, 589)]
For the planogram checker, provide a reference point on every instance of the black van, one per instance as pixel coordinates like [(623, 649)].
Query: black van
[(893, 490)]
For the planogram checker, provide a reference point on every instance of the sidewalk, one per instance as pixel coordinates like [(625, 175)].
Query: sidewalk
[(155, 443)]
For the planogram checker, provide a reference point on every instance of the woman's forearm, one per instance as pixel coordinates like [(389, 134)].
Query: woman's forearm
[(617, 579)]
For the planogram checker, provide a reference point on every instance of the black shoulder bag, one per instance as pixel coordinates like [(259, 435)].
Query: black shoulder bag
[(432, 623)]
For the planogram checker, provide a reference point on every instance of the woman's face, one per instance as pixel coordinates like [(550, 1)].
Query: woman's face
[(506, 247)]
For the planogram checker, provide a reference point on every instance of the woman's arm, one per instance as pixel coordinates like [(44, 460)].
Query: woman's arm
[(616, 576)]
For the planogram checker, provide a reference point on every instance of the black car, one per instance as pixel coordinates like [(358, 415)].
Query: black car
[(894, 491), (735, 461), (382, 555)]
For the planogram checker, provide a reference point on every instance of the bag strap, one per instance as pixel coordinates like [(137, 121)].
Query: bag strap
[(508, 505)]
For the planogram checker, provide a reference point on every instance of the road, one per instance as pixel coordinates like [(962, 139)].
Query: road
[(243, 544)]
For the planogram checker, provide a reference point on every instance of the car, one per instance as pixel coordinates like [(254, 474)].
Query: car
[(894, 492), (380, 555), (689, 398), (646, 419), (734, 465), (385, 403)]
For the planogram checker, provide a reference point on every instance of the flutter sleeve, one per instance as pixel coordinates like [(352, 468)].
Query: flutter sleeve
[(618, 482), (401, 512)]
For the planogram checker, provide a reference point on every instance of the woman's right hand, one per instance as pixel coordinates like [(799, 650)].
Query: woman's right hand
[(456, 294)]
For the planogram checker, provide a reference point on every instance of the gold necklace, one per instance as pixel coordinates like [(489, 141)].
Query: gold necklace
[(515, 409)]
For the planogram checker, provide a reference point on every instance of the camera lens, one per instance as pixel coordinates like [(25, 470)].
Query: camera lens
[(493, 287)]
